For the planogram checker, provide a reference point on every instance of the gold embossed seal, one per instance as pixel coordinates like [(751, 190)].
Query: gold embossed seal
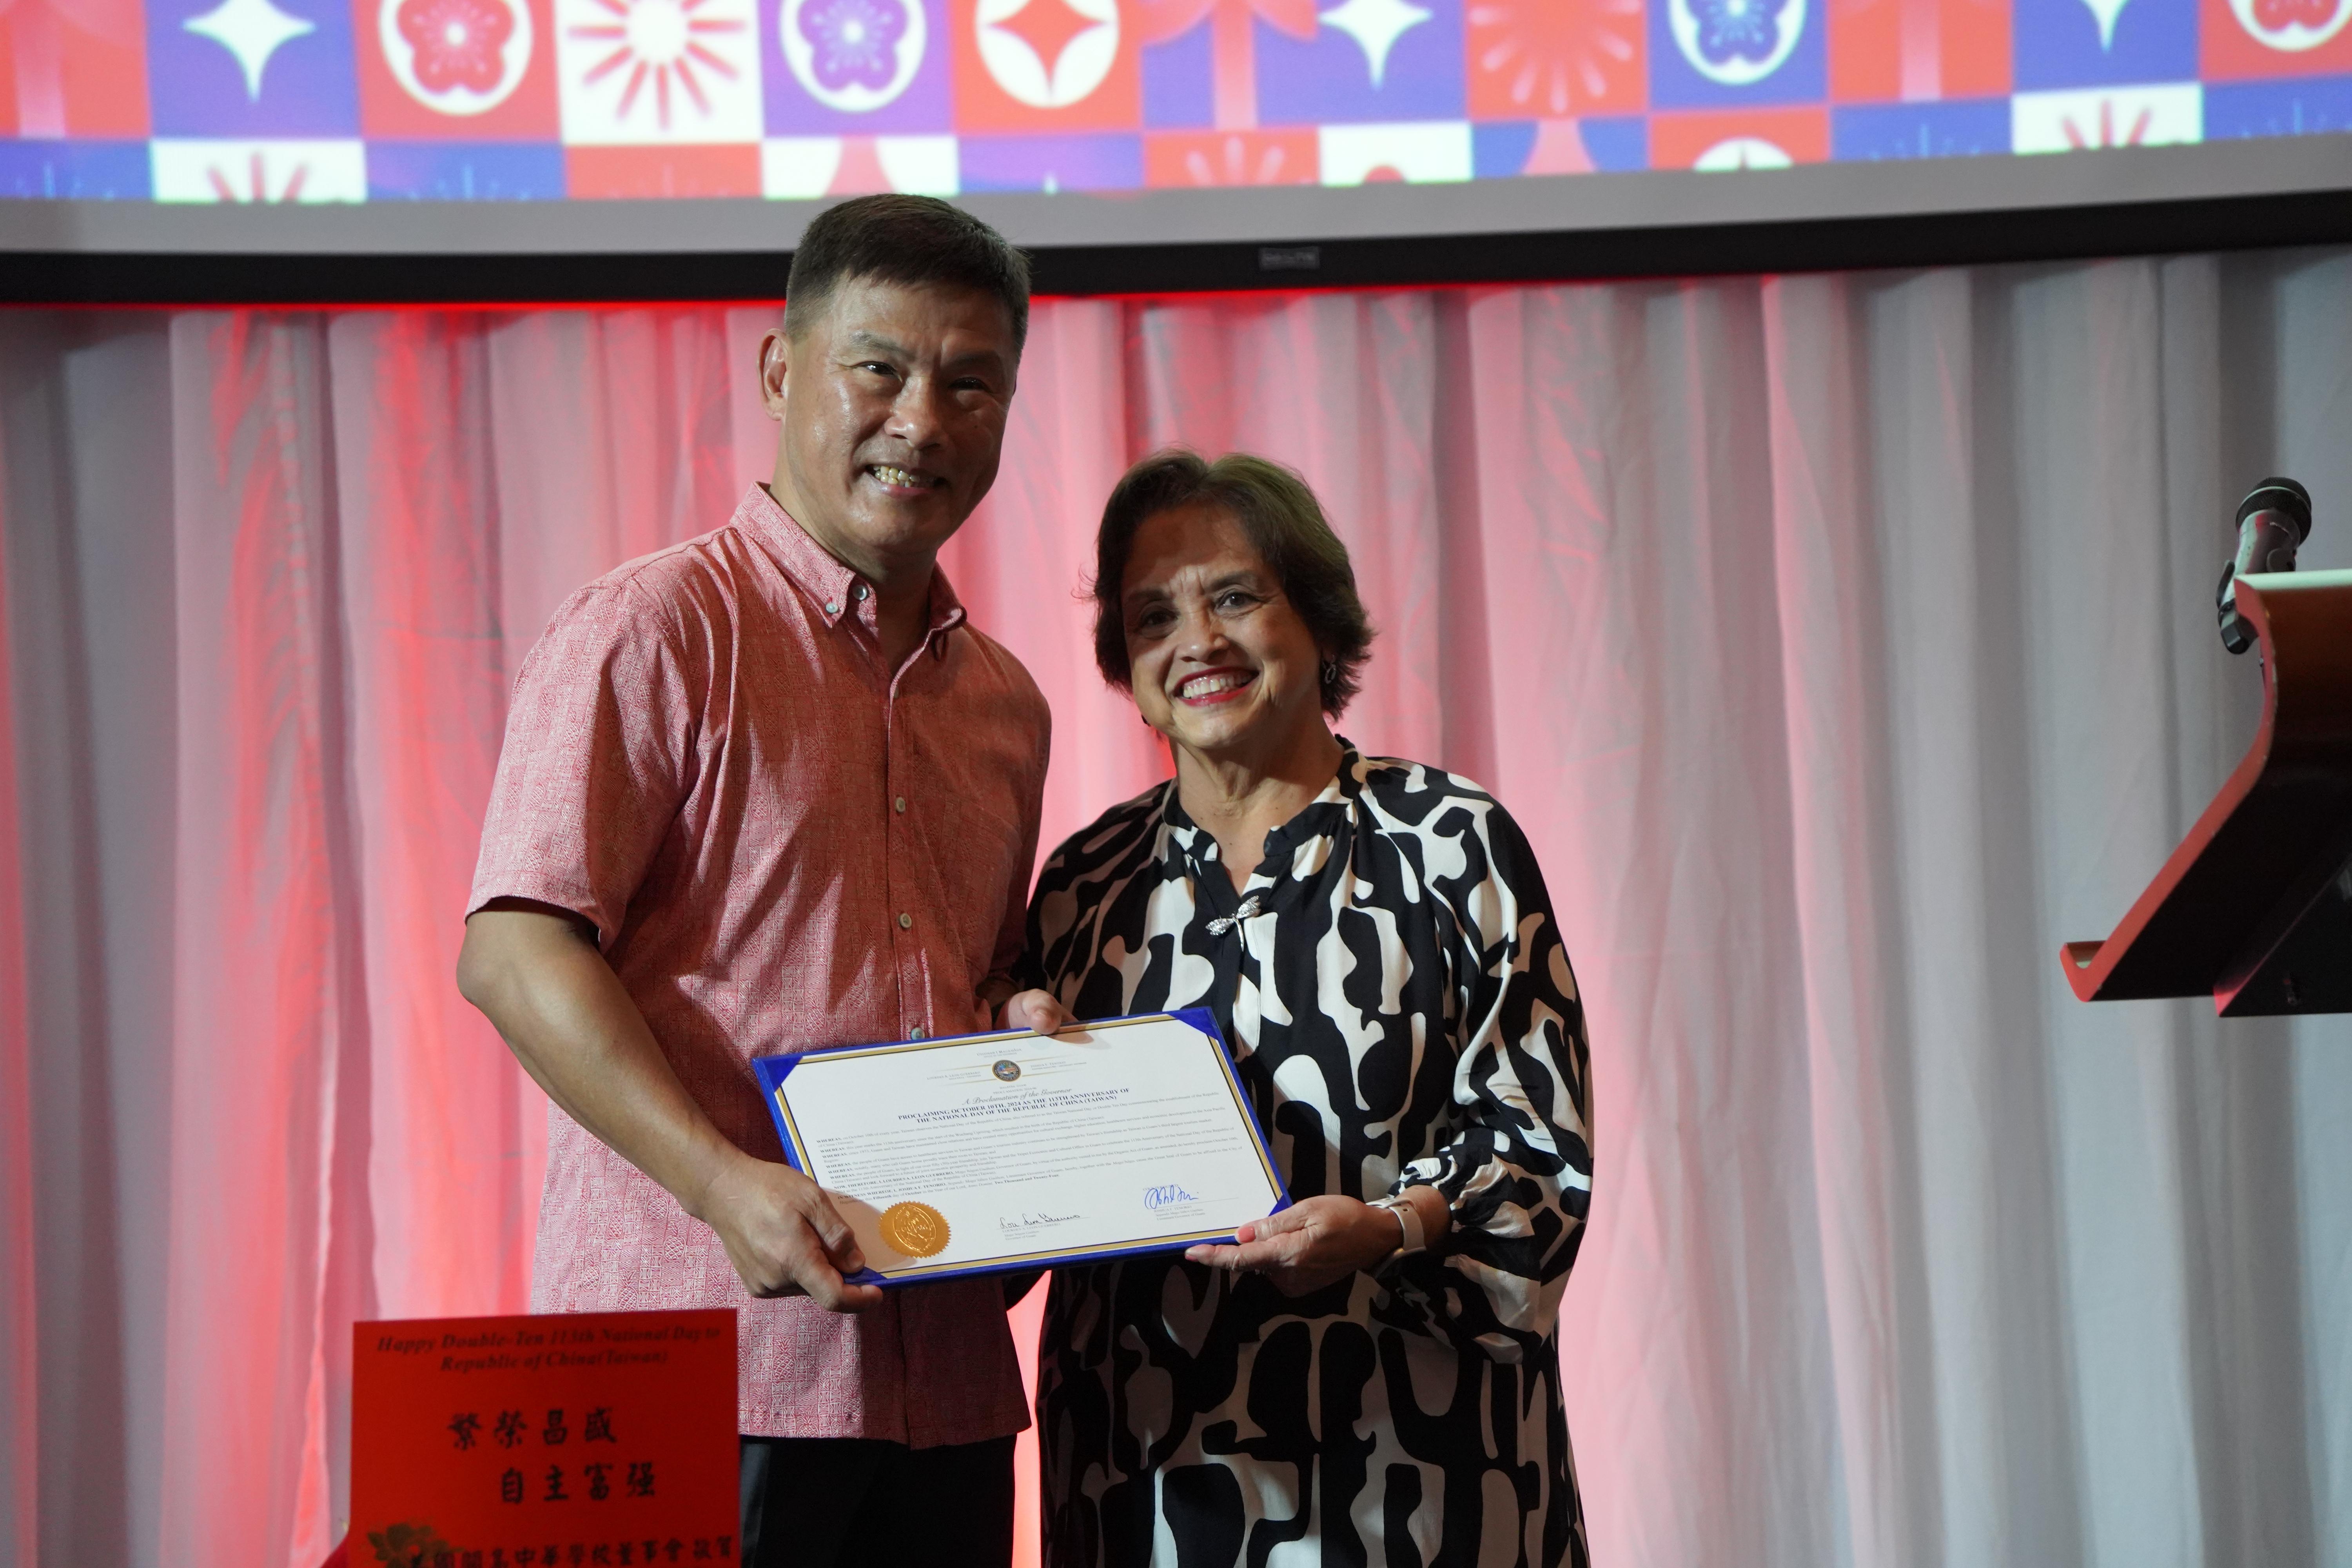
[(916, 1230)]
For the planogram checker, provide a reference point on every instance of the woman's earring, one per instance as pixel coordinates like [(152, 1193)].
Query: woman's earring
[(1331, 672)]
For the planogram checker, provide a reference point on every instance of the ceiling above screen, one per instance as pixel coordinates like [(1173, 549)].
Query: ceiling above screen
[(635, 126)]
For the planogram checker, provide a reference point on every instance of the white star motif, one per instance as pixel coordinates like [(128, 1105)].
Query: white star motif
[(1375, 25), (251, 30)]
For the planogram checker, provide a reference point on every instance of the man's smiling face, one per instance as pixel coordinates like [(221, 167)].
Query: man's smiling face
[(893, 402)]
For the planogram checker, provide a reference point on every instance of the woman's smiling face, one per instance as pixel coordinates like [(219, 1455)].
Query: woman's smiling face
[(1218, 659)]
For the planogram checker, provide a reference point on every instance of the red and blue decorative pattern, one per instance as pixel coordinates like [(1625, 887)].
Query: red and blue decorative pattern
[(346, 100)]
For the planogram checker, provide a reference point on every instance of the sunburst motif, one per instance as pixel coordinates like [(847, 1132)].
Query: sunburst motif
[(1248, 158), (660, 43), (2106, 132), (1236, 167), (1548, 60), (257, 183)]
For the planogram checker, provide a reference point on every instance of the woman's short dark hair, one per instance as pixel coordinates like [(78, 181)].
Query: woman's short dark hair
[(907, 240), (1283, 524)]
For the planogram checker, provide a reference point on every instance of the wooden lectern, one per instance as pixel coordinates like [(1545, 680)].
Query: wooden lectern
[(2256, 906)]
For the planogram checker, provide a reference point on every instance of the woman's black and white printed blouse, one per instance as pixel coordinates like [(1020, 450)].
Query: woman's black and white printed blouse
[(1401, 1010)]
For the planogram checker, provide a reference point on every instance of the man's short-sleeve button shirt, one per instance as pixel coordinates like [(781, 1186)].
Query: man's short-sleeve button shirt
[(782, 843)]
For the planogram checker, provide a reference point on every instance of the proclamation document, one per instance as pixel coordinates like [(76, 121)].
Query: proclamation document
[(1011, 1150)]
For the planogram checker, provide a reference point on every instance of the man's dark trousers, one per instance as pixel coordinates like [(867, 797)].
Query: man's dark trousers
[(828, 1502)]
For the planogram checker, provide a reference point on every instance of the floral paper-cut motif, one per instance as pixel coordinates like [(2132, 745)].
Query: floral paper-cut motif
[(853, 42), (458, 58), (458, 42), (1732, 30), (1735, 42), (853, 56), (2293, 27), (2254, 40)]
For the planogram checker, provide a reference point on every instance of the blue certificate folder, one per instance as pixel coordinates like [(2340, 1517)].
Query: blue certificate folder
[(1028, 1252)]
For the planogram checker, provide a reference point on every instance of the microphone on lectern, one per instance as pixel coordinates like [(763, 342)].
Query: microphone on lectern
[(2273, 522)]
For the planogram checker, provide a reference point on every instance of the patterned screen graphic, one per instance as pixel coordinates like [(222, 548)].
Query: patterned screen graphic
[(347, 100)]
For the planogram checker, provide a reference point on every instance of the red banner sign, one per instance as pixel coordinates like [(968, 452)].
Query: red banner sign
[(592, 1440)]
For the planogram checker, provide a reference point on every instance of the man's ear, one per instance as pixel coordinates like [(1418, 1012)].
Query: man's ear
[(775, 370)]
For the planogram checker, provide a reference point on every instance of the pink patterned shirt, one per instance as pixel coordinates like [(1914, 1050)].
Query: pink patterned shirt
[(782, 845)]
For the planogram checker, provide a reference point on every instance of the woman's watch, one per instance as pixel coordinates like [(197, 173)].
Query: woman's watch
[(1408, 1216)]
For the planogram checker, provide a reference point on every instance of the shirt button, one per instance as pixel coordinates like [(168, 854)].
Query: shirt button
[(859, 593), (905, 921), (915, 1036), (900, 803), (833, 608)]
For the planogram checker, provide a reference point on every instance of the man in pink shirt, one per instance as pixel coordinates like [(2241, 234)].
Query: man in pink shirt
[(764, 791)]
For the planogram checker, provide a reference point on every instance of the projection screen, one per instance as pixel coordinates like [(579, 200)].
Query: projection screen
[(456, 126)]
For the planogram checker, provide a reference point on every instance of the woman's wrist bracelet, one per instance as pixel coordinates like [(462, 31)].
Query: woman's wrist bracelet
[(1408, 1219)]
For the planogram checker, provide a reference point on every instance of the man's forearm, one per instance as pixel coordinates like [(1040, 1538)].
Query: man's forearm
[(574, 1029), (569, 1022)]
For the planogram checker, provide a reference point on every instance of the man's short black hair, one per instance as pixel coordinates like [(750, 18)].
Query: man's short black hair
[(905, 240)]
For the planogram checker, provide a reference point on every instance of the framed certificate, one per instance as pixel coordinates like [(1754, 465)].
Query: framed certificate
[(985, 1152)]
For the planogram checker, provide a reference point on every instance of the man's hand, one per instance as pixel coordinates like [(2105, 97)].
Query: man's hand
[(783, 1234), (1036, 1011)]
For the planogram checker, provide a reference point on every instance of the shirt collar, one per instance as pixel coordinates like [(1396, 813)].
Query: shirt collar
[(1186, 842), (831, 586)]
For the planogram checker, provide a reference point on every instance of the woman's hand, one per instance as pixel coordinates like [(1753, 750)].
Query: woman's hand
[(1036, 1011), (1309, 1244)]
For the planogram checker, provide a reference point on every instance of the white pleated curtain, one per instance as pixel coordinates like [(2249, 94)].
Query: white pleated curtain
[(1844, 643)]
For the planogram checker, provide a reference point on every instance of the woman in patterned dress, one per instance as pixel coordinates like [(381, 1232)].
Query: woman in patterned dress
[(1371, 1376)]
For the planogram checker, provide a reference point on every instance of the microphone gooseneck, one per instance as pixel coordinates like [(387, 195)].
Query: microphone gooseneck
[(2273, 522)]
